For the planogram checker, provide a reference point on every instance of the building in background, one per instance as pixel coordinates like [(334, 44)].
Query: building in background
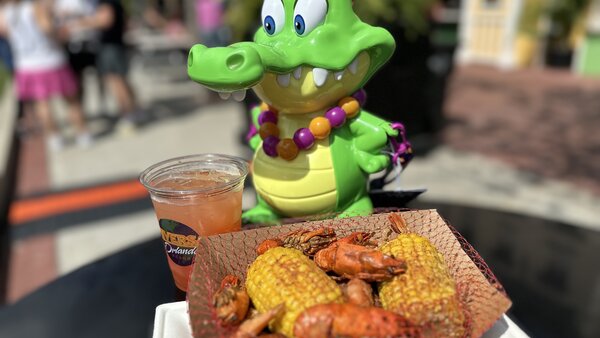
[(514, 34), (489, 32)]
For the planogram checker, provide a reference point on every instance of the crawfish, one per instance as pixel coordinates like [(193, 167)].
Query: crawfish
[(350, 320), (231, 301), (359, 238), (309, 242), (359, 292), (356, 261), (253, 327)]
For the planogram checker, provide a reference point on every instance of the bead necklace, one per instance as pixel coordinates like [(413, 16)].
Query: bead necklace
[(304, 138)]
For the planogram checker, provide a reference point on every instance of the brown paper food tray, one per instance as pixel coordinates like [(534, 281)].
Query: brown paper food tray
[(483, 298)]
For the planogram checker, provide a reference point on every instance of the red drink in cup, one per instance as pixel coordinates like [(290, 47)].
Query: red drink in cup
[(194, 196)]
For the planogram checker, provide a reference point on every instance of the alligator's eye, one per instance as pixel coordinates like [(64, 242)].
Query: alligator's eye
[(299, 24), (273, 16), (270, 25), (309, 14)]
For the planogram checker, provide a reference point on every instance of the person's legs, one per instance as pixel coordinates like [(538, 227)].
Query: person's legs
[(84, 137), (26, 123), (76, 113), (118, 86), (112, 63), (44, 114), (42, 110), (122, 91)]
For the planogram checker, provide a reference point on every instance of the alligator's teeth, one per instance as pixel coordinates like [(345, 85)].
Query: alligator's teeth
[(298, 73), (239, 95), (225, 95), (320, 76), (339, 75), (353, 67), (284, 80)]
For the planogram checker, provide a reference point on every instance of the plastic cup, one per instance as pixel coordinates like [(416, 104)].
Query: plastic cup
[(194, 196)]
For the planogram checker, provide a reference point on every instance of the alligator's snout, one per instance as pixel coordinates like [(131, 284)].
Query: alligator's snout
[(225, 68), (236, 60)]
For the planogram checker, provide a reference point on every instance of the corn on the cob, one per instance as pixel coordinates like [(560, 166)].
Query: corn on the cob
[(426, 293), (283, 275)]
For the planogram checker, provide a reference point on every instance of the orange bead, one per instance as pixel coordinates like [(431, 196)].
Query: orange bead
[(350, 105), (320, 127), (287, 149), (264, 107), (268, 129)]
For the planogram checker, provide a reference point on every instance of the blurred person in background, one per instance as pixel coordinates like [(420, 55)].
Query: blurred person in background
[(41, 68), (153, 18), (6, 60), (5, 54), (7, 68), (112, 62), (209, 21), (83, 44), (174, 20), (211, 29), (167, 19)]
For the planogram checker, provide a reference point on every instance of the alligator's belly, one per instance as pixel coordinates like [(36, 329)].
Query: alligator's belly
[(304, 186)]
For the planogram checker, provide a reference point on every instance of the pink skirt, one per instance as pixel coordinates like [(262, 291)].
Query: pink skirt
[(42, 85)]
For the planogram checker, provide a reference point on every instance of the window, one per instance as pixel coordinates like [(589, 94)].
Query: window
[(490, 4)]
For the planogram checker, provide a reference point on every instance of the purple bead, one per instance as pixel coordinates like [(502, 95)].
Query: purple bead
[(267, 116), (304, 139), (336, 116), (270, 146), (360, 96)]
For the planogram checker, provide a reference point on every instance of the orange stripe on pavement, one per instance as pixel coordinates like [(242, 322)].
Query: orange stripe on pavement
[(43, 207)]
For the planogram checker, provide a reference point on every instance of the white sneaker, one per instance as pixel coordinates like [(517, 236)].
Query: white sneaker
[(126, 127), (85, 140), (55, 143)]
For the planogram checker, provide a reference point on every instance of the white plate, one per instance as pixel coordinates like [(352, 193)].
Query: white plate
[(171, 321)]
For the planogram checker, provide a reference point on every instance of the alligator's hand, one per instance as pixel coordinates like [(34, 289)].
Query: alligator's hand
[(373, 163), (391, 132), (370, 138), (262, 213), (259, 215), (255, 140), (370, 163)]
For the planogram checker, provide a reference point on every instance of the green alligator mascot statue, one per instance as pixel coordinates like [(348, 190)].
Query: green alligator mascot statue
[(315, 147)]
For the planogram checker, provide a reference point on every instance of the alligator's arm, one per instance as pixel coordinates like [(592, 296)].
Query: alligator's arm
[(255, 140), (371, 135)]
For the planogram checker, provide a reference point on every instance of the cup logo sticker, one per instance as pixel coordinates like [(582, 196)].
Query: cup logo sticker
[(180, 241)]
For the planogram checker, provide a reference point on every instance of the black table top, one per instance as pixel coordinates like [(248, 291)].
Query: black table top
[(113, 297), (548, 268)]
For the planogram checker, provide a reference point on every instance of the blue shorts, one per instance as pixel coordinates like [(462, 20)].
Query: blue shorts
[(112, 60)]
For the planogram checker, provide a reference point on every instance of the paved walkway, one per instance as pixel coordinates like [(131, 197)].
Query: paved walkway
[(523, 141), (52, 238), (497, 154), (471, 179), (541, 121)]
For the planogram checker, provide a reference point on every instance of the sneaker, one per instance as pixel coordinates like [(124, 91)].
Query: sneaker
[(126, 127), (85, 140), (139, 117), (55, 143)]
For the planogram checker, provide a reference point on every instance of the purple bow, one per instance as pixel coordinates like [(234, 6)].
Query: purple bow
[(402, 152)]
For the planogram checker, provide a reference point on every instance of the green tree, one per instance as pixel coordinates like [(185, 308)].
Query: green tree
[(531, 15), (3, 78), (412, 15), (564, 15)]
